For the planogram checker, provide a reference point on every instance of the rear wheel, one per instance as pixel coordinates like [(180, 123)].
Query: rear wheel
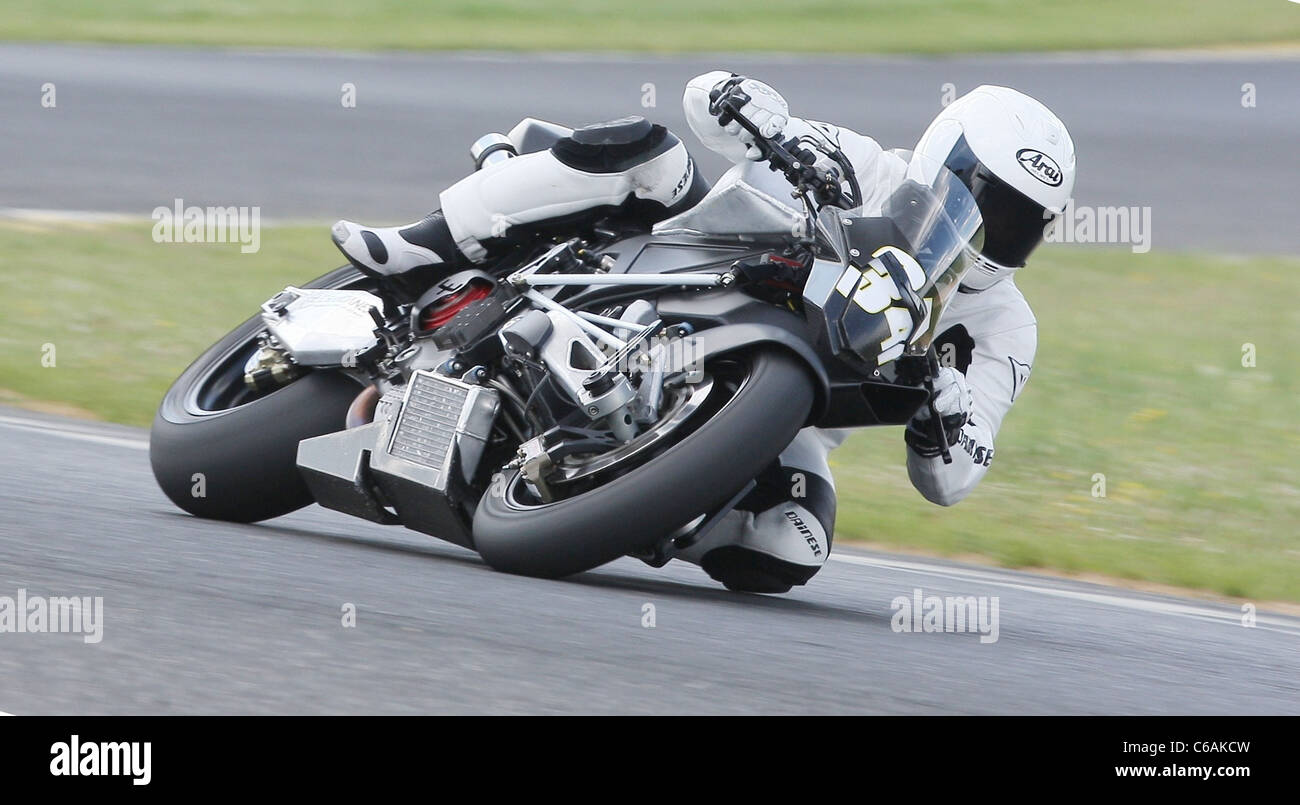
[(757, 403), (222, 451)]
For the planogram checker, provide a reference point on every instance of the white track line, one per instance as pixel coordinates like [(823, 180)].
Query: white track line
[(1223, 616), (54, 217), (68, 216), (78, 433)]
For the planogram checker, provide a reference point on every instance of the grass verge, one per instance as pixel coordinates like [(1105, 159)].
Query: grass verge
[(841, 26)]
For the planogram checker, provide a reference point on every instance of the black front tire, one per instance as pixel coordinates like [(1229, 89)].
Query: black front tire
[(633, 512)]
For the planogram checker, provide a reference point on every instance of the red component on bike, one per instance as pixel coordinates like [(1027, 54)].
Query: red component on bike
[(444, 309), (785, 261)]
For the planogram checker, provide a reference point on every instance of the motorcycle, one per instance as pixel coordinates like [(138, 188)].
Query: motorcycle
[(578, 399)]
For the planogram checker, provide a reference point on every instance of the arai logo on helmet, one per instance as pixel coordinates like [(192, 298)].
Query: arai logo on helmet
[(1040, 166)]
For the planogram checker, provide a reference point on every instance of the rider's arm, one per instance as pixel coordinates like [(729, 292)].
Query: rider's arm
[(999, 367)]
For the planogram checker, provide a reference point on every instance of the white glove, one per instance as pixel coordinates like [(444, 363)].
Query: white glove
[(953, 401), (951, 394), (766, 109)]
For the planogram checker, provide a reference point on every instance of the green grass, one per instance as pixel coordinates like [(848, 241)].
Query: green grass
[(843, 26), (125, 314), (1138, 376)]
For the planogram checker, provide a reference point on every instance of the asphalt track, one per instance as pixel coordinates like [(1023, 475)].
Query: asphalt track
[(204, 617)]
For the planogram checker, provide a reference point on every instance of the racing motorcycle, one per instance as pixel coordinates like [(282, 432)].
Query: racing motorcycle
[(578, 399)]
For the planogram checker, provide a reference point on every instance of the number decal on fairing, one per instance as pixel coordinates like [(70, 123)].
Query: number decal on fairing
[(874, 291)]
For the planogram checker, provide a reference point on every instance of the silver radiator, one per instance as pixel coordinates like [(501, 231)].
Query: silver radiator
[(426, 428), (441, 420), (411, 465)]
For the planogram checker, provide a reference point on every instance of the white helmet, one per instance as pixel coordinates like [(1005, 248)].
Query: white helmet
[(1018, 161)]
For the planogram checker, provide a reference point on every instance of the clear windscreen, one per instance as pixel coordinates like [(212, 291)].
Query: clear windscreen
[(735, 208)]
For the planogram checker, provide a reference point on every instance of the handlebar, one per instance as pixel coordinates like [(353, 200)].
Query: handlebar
[(795, 162)]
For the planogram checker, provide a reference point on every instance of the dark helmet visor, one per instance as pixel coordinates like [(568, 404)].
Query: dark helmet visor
[(1013, 222)]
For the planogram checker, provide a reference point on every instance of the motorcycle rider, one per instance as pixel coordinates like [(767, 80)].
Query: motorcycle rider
[(1014, 155)]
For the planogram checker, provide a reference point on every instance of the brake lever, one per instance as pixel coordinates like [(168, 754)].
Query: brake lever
[(726, 107), (936, 423)]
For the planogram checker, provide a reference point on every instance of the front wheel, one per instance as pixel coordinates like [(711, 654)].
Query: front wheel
[(762, 399)]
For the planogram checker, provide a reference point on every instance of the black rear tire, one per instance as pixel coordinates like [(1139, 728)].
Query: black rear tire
[(634, 511), (219, 454)]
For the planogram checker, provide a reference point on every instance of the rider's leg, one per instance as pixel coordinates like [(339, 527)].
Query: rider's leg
[(780, 533), (623, 163)]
